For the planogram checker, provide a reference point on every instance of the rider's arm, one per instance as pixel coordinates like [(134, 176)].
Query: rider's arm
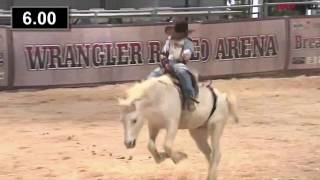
[(166, 45), (165, 48), (188, 50)]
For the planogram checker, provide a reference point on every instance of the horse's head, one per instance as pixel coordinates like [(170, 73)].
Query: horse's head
[(131, 122)]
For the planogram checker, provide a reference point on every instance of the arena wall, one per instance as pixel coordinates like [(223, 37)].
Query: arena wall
[(305, 43), (86, 55), (4, 57), (243, 47), (113, 54)]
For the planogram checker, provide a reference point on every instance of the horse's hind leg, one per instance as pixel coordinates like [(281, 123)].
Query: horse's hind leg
[(153, 132), (200, 136), (216, 131)]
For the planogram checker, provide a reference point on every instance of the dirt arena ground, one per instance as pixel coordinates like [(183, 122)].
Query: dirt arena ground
[(75, 134)]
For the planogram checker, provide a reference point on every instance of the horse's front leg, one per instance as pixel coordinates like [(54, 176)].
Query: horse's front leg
[(153, 132), (172, 130)]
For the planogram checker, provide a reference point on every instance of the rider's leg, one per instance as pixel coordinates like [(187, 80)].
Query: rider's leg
[(186, 82), (184, 77), (155, 73)]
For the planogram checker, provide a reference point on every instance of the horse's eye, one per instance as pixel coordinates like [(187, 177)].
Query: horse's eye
[(134, 121)]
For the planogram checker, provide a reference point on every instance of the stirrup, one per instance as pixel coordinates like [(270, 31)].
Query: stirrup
[(194, 100), (190, 105)]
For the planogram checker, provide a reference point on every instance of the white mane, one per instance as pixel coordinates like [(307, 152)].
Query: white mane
[(139, 90)]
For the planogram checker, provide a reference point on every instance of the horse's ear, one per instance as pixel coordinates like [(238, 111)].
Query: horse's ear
[(130, 106), (122, 102)]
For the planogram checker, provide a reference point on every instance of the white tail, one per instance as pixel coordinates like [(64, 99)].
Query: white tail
[(232, 105)]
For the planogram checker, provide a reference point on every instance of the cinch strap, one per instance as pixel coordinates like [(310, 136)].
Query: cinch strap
[(214, 99)]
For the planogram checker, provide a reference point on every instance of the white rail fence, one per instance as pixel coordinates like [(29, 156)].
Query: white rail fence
[(160, 12)]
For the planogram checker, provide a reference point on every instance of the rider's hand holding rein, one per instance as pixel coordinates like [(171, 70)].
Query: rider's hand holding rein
[(186, 55)]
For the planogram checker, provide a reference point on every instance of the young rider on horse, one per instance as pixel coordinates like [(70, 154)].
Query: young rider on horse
[(178, 49)]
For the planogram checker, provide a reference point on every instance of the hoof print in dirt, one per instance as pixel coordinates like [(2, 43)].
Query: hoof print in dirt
[(66, 158), (23, 147), (121, 157)]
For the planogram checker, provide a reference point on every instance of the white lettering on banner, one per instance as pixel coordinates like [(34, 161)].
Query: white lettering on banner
[(313, 60)]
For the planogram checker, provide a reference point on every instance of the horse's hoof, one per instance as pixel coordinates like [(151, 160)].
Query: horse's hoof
[(161, 158), (178, 156), (212, 178)]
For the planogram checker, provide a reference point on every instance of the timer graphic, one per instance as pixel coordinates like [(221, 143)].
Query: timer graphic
[(43, 18)]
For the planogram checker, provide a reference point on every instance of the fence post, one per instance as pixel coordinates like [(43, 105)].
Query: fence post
[(265, 9), (11, 60), (288, 50)]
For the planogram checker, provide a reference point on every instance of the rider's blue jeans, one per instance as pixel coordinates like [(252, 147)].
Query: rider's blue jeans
[(181, 71)]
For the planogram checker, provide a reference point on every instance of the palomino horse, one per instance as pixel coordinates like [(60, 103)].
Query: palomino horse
[(158, 102)]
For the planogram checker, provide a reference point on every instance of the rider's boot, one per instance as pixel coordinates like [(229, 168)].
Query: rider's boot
[(190, 104)]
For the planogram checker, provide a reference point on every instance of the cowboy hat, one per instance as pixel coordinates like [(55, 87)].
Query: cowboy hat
[(179, 31)]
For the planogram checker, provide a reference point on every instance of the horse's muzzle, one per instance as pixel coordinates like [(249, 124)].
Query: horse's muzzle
[(130, 144)]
